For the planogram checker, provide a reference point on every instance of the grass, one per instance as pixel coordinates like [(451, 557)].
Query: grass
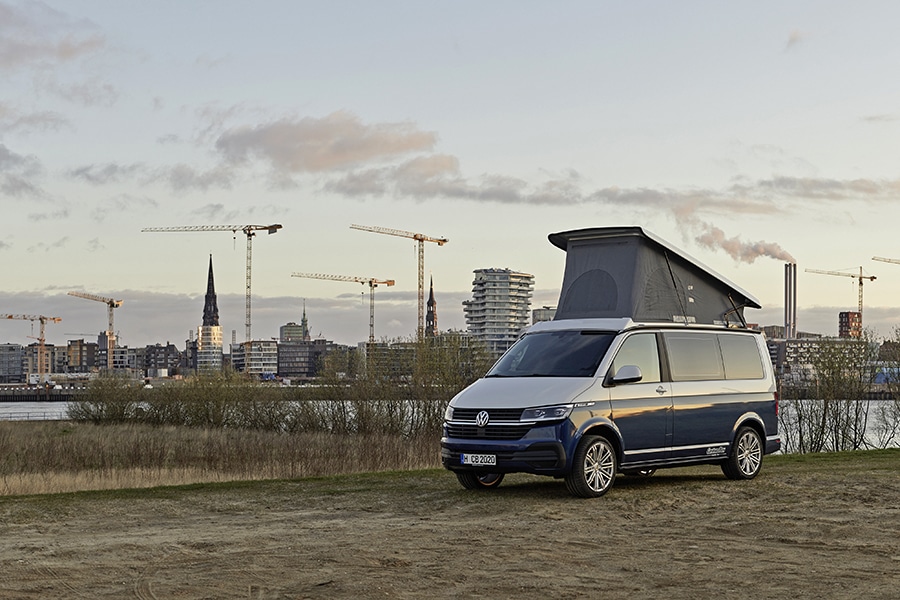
[(60, 457), (55, 457)]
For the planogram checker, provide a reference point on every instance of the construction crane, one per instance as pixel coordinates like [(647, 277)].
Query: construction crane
[(42, 366), (887, 260), (370, 281), (111, 304), (249, 231), (860, 277), (421, 238)]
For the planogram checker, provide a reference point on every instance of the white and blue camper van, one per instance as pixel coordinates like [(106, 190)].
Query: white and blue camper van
[(647, 364)]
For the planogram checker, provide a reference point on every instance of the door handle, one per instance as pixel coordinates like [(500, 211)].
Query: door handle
[(660, 390)]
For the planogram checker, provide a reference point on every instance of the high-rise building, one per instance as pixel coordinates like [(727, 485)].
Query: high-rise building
[(431, 322), (209, 337), (499, 308), (850, 324), (12, 357)]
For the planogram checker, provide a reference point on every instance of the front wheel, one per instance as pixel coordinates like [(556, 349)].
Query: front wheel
[(479, 481), (746, 455), (593, 467)]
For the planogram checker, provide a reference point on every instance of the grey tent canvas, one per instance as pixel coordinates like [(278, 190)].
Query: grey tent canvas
[(614, 272)]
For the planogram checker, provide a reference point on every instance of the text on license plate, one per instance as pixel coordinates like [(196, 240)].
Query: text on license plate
[(478, 459)]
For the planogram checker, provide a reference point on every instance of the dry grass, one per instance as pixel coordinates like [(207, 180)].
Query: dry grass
[(43, 457)]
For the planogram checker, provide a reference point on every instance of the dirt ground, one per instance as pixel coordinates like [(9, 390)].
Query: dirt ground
[(821, 527)]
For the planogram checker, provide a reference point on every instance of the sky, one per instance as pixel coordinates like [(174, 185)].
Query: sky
[(746, 134)]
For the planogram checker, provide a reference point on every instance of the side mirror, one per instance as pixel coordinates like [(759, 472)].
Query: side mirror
[(627, 374)]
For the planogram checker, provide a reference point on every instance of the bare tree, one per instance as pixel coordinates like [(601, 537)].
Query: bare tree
[(828, 408)]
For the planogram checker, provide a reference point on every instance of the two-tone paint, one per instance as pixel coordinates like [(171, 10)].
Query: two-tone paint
[(651, 425)]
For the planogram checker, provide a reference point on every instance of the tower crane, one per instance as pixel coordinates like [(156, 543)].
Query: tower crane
[(42, 359), (421, 238), (111, 304), (249, 231), (887, 260), (372, 283), (860, 277)]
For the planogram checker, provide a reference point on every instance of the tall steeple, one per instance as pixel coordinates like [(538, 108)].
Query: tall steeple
[(210, 308), (304, 324), (431, 324)]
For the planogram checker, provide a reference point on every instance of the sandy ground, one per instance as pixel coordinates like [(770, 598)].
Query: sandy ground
[(826, 528)]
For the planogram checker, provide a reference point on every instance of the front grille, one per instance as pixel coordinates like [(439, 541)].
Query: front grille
[(491, 432), (496, 414)]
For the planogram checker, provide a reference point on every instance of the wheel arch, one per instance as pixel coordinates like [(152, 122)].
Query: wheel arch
[(750, 419), (608, 430)]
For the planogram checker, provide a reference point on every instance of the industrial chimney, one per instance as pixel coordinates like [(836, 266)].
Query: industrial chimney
[(790, 301)]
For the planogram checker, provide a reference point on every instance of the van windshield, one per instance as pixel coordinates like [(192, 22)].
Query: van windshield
[(554, 354)]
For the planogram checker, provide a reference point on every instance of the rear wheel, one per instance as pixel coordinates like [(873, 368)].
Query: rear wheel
[(593, 467), (746, 455), (479, 481)]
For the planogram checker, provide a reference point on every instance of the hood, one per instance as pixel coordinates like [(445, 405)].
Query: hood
[(522, 392)]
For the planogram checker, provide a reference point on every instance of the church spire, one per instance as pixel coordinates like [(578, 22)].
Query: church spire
[(304, 324), (210, 308), (431, 325)]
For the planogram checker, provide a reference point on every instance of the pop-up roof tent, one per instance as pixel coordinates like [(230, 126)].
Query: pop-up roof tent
[(614, 272)]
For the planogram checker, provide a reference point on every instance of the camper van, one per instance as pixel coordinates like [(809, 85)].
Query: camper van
[(648, 364)]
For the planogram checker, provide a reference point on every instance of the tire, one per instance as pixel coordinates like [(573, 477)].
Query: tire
[(746, 455), (593, 467), (479, 481), (638, 472)]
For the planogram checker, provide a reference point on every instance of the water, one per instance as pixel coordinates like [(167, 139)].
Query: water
[(33, 411)]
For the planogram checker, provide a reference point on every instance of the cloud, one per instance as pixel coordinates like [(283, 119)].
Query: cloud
[(13, 185), (183, 177), (215, 212), (883, 118), (47, 247), (105, 174), (17, 173), (12, 120), (93, 92), (123, 203), (94, 245), (310, 145), (32, 33), (62, 213), (794, 39), (11, 161)]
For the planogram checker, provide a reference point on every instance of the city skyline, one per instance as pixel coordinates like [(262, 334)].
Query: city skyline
[(768, 137)]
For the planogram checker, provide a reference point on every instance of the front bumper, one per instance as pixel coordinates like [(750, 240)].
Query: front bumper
[(541, 458)]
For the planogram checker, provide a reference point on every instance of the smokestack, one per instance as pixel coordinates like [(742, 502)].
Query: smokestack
[(790, 301)]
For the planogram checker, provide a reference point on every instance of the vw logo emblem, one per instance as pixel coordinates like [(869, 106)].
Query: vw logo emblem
[(482, 418)]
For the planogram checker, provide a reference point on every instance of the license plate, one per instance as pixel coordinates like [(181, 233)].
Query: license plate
[(478, 459)]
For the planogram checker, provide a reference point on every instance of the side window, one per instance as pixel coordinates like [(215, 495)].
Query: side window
[(694, 356), (639, 350), (741, 356)]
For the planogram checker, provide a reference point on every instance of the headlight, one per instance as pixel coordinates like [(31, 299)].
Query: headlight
[(448, 414), (546, 413)]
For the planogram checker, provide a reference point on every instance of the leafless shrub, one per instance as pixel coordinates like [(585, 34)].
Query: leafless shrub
[(828, 409)]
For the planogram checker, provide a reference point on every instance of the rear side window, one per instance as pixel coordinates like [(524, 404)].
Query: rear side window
[(741, 356), (694, 356), (702, 356)]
